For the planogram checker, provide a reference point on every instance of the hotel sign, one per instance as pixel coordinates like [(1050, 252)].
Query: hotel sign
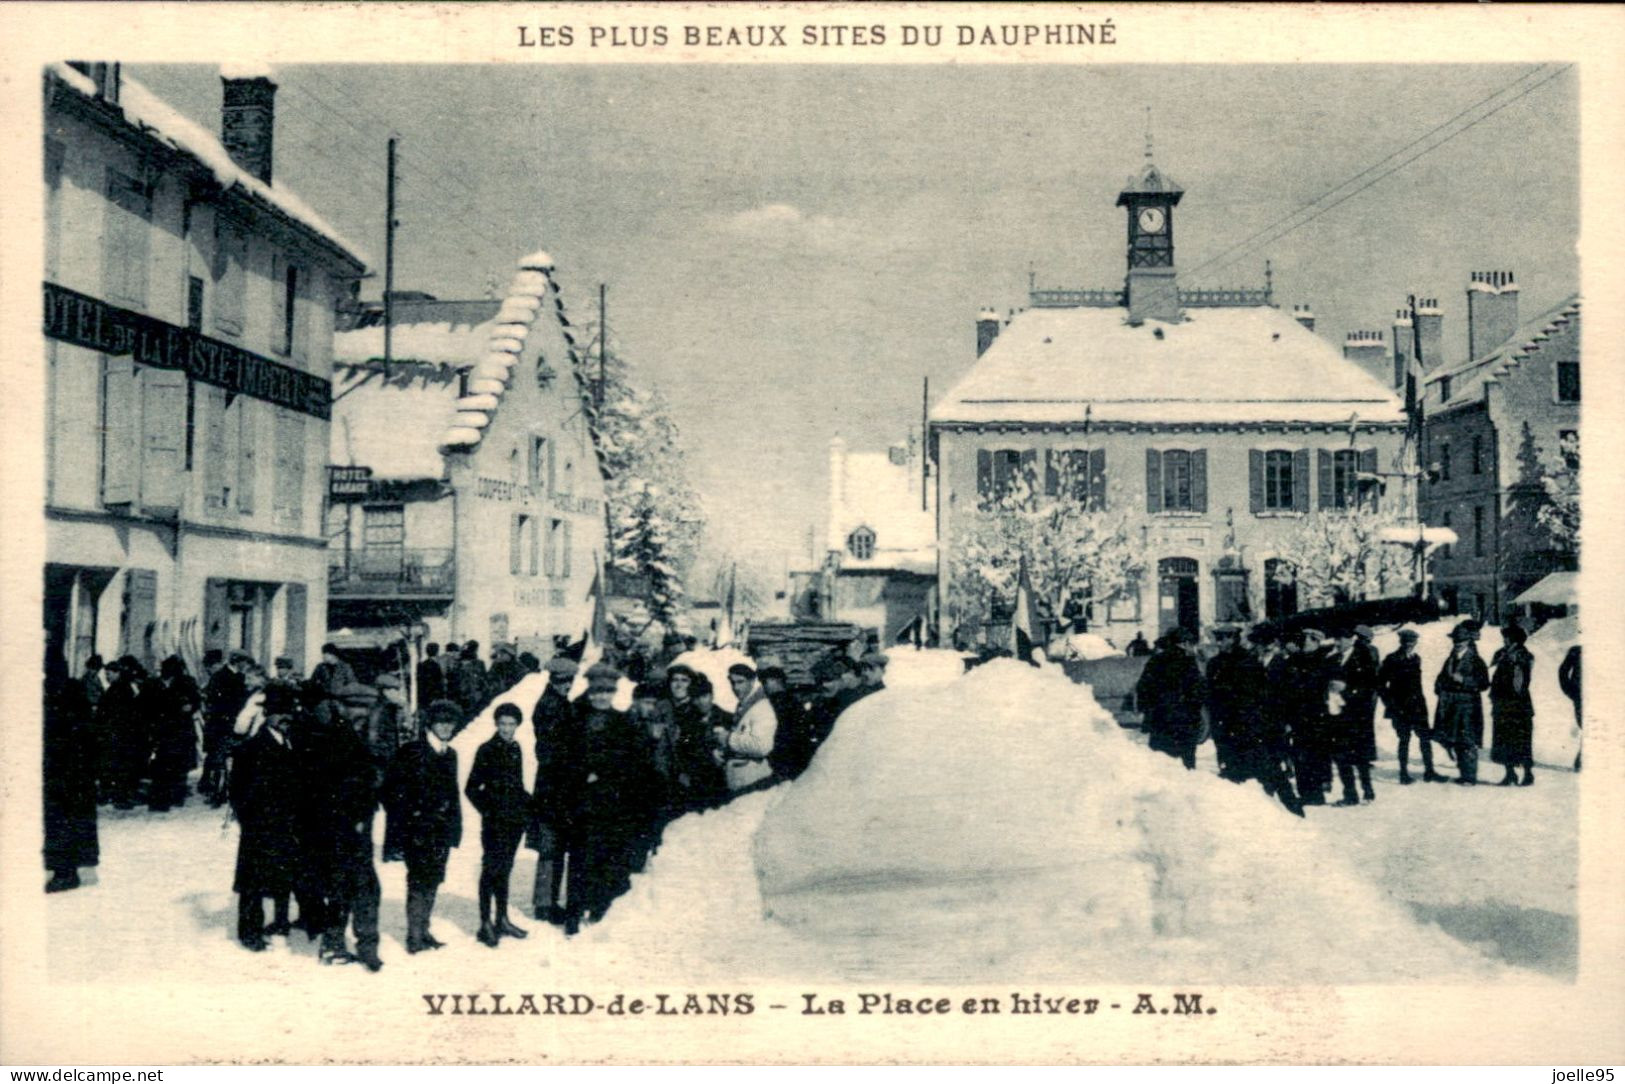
[(349, 483), (81, 320)]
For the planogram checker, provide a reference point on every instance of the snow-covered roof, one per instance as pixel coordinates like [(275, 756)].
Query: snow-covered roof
[(392, 426), (1555, 589), (1217, 365), (885, 497), (439, 332), (1467, 378), (161, 121)]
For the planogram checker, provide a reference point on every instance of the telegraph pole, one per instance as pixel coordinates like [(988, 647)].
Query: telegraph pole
[(925, 441), (603, 341), (389, 260)]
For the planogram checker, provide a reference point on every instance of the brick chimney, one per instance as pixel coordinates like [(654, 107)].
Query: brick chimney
[(1492, 311), (1402, 347), (1304, 315), (1369, 351), (248, 119), (1430, 332), (987, 329)]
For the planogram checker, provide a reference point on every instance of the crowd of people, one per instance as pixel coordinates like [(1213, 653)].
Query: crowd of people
[(307, 764), (1286, 711)]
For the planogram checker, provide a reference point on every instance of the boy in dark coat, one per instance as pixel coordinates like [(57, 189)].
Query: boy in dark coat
[(551, 725), (425, 817), (267, 794), (1399, 684), (496, 788)]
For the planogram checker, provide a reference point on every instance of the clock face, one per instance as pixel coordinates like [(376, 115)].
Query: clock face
[(1152, 220)]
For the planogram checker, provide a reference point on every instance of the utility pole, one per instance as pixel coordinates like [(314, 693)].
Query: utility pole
[(925, 441), (389, 261), (603, 340)]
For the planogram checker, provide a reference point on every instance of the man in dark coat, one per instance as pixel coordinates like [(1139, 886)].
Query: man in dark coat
[(1352, 736), (1305, 677), (496, 788), (792, 746), (700, 780), (607, 795), (124, 719), (69, 777), (174, 737), (1170, 692), (1512, 709), (223, 698), (332, 673), (431, 679), (425, 817), (1255, 738), (94, 680), (1399, 684), (1458, 720), (1227, 693), (267, 794), (822, 710), (551, 726), (506, 672), (343, 800), (465, 682)]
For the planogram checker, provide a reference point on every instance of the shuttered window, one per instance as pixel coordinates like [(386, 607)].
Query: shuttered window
[(163, 437), (230, 277), (1278, 480), (247, 413), (1077, 474), (1176, 480), (288, 499), (1341, 485), (1005, 472), (118, 442), (217, 482), (126, 238)]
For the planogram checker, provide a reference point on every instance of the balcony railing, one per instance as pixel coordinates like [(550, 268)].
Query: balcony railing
[(392, 571)]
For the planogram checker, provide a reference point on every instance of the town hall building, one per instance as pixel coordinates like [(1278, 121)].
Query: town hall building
[(1221, 421)]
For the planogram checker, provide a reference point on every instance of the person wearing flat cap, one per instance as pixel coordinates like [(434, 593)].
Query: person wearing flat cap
[(695, 776), (267, 796), (343, 798), (425, 817), (496, 787), (1306, 676), (748, 743), (1458, 715), (873, 668), (1399, 684), (551, 725)]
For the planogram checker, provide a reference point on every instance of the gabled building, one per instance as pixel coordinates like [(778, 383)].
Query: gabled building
[(189, 307), (1218, 419), (467, 501), (1493, 424)]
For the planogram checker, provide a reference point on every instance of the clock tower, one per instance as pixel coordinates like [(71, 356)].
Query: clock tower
[(1150, 198)]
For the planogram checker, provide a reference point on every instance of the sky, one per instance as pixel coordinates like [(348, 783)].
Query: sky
[(790, 250)]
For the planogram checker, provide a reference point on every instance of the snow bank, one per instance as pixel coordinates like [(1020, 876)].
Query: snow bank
[(1005, 821), (908, 668), (1082, 645)]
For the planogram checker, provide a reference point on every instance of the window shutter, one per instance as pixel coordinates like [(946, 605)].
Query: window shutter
[(550, 559), (163, 432), (1255, 480), (1153, 480), (984, 472), (1097, 478), (533, 544), (564, 555), (214, 449), (1300, 480), (293, 641), (247, 453), (1029, 469), (515, 544), (119, 456), (288, 492), (1328, 499), (1199, 480), (1368, 465), (215, 614)]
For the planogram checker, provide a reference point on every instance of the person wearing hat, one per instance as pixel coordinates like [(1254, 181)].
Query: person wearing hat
[(267, 796), (1399, 685), (332, 673), (424, 817), (697, 720), (465, 682), (1305, 677), (506, 671), (551, 725), (343, 798), (606, 797), (1511, 708), (429, 676), (496, 788), (1229, 678), (68, 781), (872, 668), (1255, 740), (822, 711), (122, 718), (1170, 694), (1352, 735), (174, 752), (223, 697), (748, 742), (1458, 719), (792, 744)]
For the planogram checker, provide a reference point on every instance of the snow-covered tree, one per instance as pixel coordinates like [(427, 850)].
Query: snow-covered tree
[(655, 516), (1560, 514), (1073, 531), (1340, 556)]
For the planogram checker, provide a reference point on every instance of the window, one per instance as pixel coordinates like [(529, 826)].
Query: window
[(861, 543), (285, 286), (1444, 550), (118, 430), (1340, 483), (288, 485), (125, 237), (1568, 381), (1125, 605), (230, 277), (513, 465), (1004, 472), (247, 413), (541, 466), (383, 527), (1478, 454), (1444, 389), (1078, 474), (522, 546), (1444, 461), (556, 558), (1176, 480), (1478, 530)]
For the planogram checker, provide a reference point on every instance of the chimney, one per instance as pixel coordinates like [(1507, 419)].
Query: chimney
[(1430, 332), (987, 329), (1304, 315), (1492, 311), (837, 494), (247, 119), (106, 77), (1369, 351), (1402, 347)]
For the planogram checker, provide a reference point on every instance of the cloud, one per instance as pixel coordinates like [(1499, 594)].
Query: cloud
[(785, 224)]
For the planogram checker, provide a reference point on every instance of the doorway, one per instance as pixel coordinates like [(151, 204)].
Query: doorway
[(1178, 600)]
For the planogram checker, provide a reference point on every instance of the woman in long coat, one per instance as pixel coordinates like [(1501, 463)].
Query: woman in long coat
[(1512, 709), (69, 778), (1458, 721)]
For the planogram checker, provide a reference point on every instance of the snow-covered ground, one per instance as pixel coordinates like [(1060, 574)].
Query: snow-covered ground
[(984, 827)]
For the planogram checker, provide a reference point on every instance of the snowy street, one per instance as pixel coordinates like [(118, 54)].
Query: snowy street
[(1063, 850)]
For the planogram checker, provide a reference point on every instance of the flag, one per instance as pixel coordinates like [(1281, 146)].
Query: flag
[(598, 628), (1023, 621)]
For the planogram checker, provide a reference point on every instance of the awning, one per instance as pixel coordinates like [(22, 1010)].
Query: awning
[(1557, 589)]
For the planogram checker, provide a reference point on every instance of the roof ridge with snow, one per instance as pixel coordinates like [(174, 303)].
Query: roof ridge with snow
[(1491, 367)]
